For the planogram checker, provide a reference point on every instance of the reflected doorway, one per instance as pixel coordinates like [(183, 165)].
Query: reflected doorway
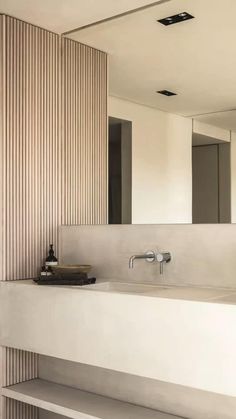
[(211, 180), (120, 171)]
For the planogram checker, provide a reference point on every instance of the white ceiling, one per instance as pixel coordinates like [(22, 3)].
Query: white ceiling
[(226, 120), (196, 59), (64, 15)]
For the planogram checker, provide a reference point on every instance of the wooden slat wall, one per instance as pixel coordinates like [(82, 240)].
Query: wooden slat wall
[(16, 410), (84, 126), (2, 143), (22, 366), (53, 154), (33, 141), (56, 141), (19, 366)]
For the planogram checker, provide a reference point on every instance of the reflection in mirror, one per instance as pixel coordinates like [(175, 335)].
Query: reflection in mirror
[(183, 145), (212, 171), (119, 168), (211, 183)]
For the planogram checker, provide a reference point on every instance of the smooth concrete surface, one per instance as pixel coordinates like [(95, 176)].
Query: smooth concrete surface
[(190, 343), (44, 414), (174, 399), (161, 163), (173, 292), (77, 404), (201, 254)]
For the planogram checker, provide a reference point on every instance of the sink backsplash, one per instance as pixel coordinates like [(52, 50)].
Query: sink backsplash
[(201, 254)]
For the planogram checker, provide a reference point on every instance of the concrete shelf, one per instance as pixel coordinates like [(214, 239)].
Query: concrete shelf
[(77, 404)]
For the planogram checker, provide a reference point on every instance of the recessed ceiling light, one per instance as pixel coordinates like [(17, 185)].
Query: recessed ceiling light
[(166, 93), (171, 20)]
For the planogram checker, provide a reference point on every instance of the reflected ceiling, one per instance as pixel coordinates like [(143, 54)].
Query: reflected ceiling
[(196, 58), (64, 15)]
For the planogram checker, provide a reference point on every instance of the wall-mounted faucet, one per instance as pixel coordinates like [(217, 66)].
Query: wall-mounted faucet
[(151, 256)]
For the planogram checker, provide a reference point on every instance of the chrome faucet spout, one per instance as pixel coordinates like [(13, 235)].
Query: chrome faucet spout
[(148, 256), (151, 256), (131, 261)]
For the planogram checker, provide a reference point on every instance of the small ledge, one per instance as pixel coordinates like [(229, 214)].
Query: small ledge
[(77, 404)]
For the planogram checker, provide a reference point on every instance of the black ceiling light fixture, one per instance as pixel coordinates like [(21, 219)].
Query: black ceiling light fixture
[(166, 93), (171, 20)]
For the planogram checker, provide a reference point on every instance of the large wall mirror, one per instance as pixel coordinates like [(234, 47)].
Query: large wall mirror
[(172, 111)]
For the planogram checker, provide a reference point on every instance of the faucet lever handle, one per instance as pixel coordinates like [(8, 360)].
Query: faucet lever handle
[(161, 268), (163, 257)]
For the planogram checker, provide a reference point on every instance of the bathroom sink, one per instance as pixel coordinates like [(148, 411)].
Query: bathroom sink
[(167, 291), (125, 287)]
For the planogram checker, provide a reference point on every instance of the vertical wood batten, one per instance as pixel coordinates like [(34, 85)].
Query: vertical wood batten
[(32, 115), (16, 410), (29, 190), (18, 366), (84, 134), (2, 184), (53, 150), (21, 366), (2, 146)]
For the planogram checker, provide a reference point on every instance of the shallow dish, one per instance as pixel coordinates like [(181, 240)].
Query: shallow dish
[(71, 269)]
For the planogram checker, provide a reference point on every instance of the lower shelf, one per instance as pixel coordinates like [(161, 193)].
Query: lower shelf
[(77, 404)]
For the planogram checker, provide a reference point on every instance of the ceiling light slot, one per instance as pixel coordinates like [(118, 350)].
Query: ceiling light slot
[(171, 20), (166, 93)]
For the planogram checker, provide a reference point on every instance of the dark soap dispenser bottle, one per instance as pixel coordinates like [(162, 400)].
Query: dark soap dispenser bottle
[(51, 259)]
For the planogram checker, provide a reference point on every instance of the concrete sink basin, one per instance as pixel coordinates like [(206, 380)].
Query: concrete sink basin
[(126, 288)]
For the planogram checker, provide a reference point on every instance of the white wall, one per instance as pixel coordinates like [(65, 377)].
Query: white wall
[(161, 163)]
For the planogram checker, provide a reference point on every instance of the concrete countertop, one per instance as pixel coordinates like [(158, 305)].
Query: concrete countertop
[(183, 335), (163, 290)]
